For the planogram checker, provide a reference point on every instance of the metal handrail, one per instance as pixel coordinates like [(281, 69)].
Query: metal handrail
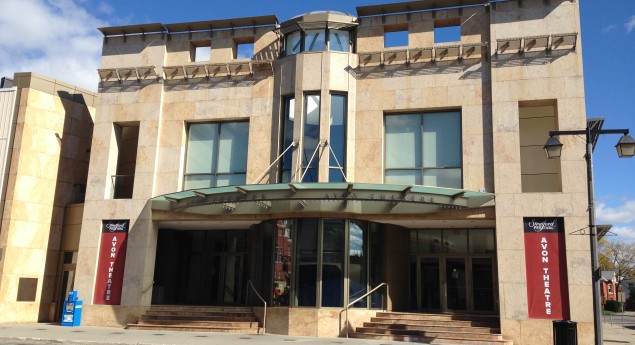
[(359, 299), (264, 319)]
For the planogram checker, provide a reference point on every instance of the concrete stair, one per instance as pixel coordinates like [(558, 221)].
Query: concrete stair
[(199, 319), (433, 329)]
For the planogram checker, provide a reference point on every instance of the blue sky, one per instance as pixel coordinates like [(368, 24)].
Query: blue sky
[(59, 38)]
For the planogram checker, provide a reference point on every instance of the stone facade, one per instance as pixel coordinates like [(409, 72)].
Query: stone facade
[(513, 59), (48, 153)]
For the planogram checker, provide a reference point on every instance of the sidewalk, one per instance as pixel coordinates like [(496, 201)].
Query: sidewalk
[(45, 333), (614, 333)]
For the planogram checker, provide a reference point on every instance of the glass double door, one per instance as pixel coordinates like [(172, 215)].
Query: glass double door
[(454, 283)]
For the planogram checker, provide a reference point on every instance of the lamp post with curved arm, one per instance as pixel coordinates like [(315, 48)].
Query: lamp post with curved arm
[(625, 149)]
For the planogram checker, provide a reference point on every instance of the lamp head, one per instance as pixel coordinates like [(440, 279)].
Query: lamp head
[(553, 148), (626, 146)]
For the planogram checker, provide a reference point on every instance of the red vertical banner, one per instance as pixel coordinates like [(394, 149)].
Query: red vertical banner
[(546, 260), (112, 260)]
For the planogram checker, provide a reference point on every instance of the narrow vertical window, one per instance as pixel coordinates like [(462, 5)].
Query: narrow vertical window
[(333, 254), (357, 264), (283, 265), (337, 138), (538, 174), (287, 139), (310, 154), (127, 139), (307, 262)]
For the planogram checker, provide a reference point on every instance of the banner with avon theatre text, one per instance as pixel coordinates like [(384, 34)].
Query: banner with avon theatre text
[(545, 257)]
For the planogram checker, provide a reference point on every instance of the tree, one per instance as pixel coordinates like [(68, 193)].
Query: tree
[(619, 257)]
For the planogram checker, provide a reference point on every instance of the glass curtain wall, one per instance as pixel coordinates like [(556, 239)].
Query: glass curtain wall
[(424, 149), (323, 262), (216, 154)]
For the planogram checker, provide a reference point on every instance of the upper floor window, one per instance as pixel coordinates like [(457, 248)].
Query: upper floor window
[(244, 48), (293, 44), (395, 36), (314, 40), (310, 153), (216, 154), (127, 142), (337, 138), (447, 30), (317, 40), (424, 149), (311, 139), (287, 135), (200, 51), (339, 40)]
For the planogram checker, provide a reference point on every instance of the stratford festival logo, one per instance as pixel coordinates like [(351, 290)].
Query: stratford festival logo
[(544, 225)]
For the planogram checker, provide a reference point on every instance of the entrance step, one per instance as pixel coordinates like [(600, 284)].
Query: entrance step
[(199, 319), (433, 329)]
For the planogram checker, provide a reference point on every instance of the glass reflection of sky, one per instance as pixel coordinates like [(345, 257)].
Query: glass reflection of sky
[(356, 240)]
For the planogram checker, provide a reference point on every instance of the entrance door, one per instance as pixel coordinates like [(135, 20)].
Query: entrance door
[(455, 284), (460, 284), (430, 282), (200, 267)]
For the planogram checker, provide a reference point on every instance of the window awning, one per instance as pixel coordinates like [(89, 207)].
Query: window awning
[(352, 198)]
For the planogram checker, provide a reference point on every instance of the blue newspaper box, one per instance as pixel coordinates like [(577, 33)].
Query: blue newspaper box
[(72, 313)]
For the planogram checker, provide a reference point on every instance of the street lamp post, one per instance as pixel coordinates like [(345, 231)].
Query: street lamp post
[(626, 149)]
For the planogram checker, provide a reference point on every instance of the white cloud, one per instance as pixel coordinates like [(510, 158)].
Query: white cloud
[(621, 214), (609, 28), (105, 8), (630, 25), (57, 38), (624, 233)]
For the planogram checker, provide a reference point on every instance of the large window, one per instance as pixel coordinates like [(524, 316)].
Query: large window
[(216, 154), (337, 138), (424, 149), (311, 140)]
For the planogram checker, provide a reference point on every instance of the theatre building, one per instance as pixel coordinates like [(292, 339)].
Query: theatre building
[(312, 160)]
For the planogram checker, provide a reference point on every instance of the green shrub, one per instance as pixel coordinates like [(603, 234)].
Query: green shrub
[(612, 305)]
